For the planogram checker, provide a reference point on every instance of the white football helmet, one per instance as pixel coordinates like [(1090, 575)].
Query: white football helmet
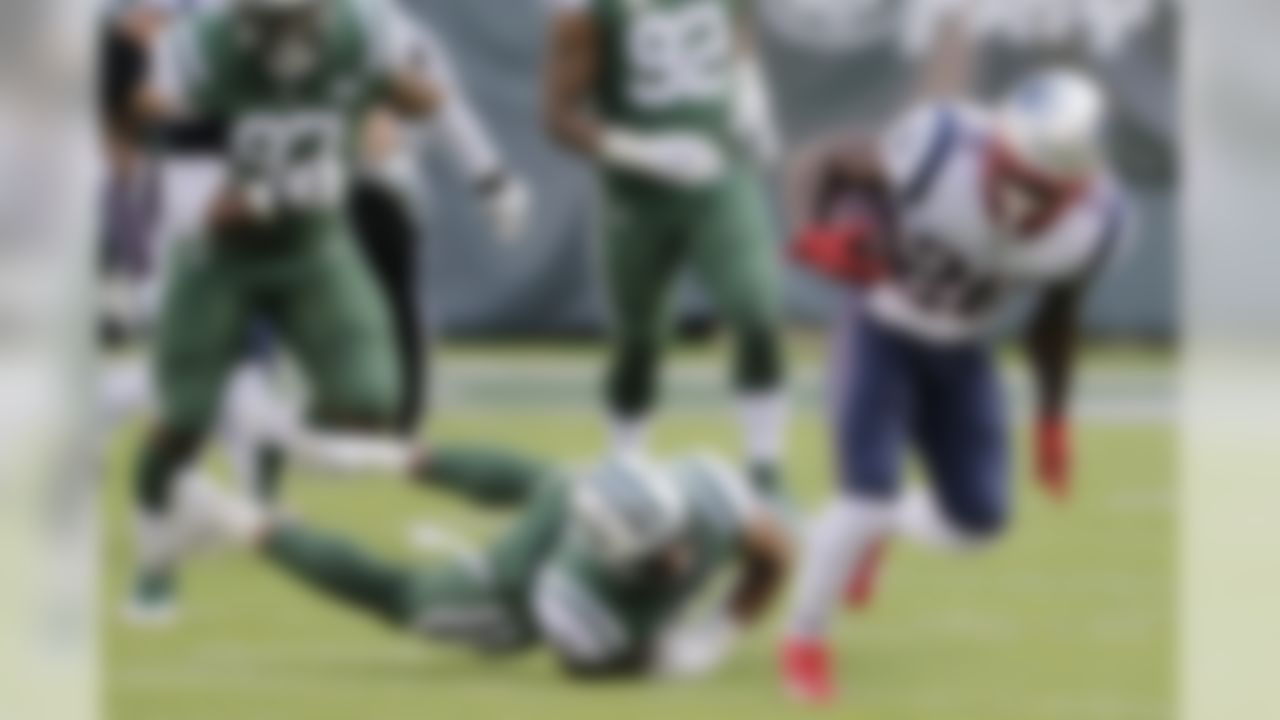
[(1053, 122), (625, 509)]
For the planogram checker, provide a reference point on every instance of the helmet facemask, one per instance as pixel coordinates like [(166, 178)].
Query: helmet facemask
[(1047, 145), (285, 34)]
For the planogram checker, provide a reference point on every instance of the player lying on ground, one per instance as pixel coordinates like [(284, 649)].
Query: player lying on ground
[(933, 226), (600, 568), (668, 98), (292, 79)]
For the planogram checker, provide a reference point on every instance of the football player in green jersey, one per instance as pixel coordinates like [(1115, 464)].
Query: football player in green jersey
[(668, 98), (602, 566), (292, 79)]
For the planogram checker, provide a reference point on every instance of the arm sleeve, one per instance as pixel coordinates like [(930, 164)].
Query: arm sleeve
[(458, 125), (405, 43), (177, 69), (904, 147)]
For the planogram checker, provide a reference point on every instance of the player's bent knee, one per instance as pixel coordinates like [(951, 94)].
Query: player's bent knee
[(370, 412), (979, 522)]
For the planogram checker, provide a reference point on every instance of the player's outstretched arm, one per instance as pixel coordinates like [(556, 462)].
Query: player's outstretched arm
[(506, 199), (754, 121), (487, 475), (1051, 343)]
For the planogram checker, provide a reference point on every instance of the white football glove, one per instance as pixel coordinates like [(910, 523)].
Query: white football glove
[(319, 185), (683, 159), (507, 205), (694, 650)]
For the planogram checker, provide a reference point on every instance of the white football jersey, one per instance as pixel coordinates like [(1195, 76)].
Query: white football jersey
[(955, 264)]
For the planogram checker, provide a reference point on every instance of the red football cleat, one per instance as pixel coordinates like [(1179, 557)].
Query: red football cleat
[(1053, 457), (866, 578), (806, 671)]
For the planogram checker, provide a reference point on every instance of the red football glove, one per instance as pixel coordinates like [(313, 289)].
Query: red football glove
[(847, 249), (1053, 456)]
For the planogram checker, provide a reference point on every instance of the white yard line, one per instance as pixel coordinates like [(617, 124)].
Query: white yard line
[(569, 386)]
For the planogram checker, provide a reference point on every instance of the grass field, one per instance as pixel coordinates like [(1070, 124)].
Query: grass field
[(1069, 619)]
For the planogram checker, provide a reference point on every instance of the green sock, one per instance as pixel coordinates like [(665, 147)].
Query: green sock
[(488, 476), (758, 359), (158, 468), (631, 385), (338, 568), (155, 587), (269, 465)]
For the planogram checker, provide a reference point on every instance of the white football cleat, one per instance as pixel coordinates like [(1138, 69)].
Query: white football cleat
[(152, 605), (202, 517)]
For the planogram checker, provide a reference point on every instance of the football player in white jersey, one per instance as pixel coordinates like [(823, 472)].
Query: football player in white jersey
[(935, 225)]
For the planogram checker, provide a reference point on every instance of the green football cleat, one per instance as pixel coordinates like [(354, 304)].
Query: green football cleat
[(153, 603)]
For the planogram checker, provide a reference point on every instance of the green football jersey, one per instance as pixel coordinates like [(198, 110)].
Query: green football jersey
[(630, 609), (664, 66), (295, 138)]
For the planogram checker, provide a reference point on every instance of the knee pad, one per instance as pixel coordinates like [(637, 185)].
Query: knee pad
[(979, 520)]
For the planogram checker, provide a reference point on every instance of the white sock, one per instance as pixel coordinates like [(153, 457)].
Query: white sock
[(152, 538), (629, 435), (764, 417), (220, 517), (837, 540), (124, 391), (338, 454), (918, 518)]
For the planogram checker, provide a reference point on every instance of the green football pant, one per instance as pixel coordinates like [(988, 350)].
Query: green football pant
[(479, 601), (319, 298), (725, 236)]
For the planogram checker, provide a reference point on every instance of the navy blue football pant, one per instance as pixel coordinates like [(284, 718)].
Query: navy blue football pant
[(893, 393)]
